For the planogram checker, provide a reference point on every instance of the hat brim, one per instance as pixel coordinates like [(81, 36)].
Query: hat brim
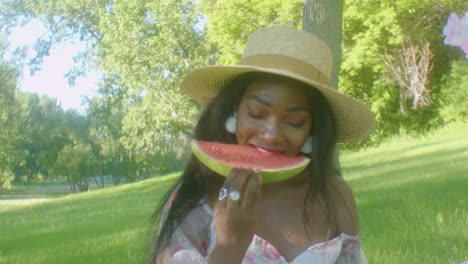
[(353, 119)]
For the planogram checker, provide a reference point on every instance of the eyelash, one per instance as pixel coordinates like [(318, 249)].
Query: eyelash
[(296, 124), (256, 116), (260, 116)]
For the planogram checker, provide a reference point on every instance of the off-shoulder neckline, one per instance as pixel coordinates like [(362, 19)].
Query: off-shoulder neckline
[(327, 243)]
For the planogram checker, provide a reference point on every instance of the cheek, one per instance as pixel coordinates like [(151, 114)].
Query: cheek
[(245, 130), (297, 140), (247, 127), (297, 137)]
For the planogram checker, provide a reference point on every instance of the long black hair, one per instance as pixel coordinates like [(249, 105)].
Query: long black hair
[(197, 182)]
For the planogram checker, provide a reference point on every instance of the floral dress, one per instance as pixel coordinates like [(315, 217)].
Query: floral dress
[(193, 241)]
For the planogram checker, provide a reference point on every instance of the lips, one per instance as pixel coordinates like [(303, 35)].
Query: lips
[(267, 149)]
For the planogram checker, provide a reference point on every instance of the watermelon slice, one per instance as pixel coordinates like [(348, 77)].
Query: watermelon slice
[(221, 158)]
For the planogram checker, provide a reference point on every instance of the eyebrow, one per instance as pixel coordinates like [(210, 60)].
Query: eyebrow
[(268, 103)]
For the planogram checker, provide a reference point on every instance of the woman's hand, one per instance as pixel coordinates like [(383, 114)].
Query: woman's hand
[(235, 219)]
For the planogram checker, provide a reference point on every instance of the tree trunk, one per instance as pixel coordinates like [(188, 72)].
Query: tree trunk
[(324, 18)]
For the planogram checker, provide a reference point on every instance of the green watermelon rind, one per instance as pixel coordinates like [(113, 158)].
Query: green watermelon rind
[(268, 176)]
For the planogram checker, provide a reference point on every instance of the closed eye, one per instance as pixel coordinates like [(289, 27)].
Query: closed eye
[(296, 122), (257, 112), (256, 115)]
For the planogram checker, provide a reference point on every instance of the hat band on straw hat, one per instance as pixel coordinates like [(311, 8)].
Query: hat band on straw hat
[(287, 64)]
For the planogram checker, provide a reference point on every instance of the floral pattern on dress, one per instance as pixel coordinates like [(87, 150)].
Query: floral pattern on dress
[(342, 249), (193, 241)]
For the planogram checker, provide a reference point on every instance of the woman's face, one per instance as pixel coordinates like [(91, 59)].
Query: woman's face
[(274, 116)]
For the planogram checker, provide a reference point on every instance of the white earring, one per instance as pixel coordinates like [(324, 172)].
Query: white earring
[(307, 147), (231, 123)]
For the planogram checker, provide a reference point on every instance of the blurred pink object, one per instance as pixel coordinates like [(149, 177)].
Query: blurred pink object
[(456, 32)]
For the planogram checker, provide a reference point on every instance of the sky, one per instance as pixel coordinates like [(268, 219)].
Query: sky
[(50, 80)]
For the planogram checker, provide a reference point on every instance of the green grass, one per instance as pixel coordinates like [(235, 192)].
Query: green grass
[(412, 198), (411, 195), (104, 226), (35, 190)]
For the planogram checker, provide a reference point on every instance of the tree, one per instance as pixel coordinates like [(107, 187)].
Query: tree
[(142, 49), (149, 46), (156, 26), (374, 29), (227, 31), (76, 163), (104, 133), (454, 95), (40, 120), (9, 134), (325, 20), (411, 71), (65, 21)]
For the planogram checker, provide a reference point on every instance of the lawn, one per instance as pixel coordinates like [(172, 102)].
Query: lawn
[(103, 226), (411, 195), (412, 198)]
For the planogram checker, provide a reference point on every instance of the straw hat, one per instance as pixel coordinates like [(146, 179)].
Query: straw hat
[(291, 53)]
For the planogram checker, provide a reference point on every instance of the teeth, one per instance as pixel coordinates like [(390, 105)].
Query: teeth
[(264, 150), (269, 151)]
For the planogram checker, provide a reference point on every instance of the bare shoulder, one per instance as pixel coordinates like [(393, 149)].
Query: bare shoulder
[(346, 213)]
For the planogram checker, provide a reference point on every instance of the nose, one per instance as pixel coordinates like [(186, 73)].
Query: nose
[(272, 133)]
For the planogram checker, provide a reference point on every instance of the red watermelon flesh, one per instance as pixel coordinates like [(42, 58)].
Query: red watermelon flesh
[(221, 158)]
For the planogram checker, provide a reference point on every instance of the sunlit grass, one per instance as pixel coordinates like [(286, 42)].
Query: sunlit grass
[(13, 204), (412, 198), (104, 226), (411, 195)]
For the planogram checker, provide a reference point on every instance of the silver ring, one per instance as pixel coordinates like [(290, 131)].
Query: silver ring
[(222, 194), (235, 195)]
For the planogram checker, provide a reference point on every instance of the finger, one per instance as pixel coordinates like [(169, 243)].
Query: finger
[(252, 191), (236, 183), (229, 183), (223, 193), (222, 197)]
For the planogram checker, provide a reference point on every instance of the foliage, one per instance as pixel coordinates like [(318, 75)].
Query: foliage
[(42, 137), (454, 93), (147, 47), (76, 163), (6, 177), (227, 31), (373, 29), (34, 130), (9, 134), (142, 48), (65, 21), (104, 131)]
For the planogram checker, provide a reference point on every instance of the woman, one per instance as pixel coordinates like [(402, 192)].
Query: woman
[(278, 99)]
